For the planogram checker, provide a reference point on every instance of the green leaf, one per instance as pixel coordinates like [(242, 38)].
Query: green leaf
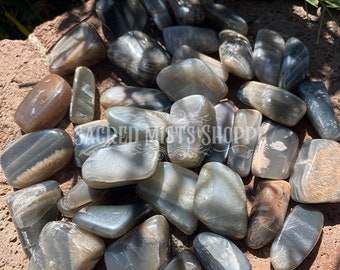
[(332, 4), (22, 28), (314, 3)]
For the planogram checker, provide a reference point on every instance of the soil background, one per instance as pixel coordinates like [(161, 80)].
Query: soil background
[(24, 63)]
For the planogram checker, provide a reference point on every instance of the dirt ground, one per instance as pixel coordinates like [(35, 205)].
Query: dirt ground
[(23, 64)]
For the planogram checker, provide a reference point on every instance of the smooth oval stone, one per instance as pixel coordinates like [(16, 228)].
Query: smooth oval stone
[(217, 252), (83, 95), (36, 156), (82, 46), (186, 260), (229, 34), (185, 52), (294, 64), (268, 212), (137, 123), (222, 17), (111, 221), (171, 191), (299, 235), (220, 200), (146, 98), (143, 62), (244, 135), (277, 104), (275, 152), (191, 77), (188, 12), (320, 110), (145, 247), (315, 177), (31, 208), (190, 132), (63, 245), (45, 105), (267, 56), (201, 39), (121, 164), (159, 13)]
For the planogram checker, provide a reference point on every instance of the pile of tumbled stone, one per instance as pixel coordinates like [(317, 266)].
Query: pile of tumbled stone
[(180, 147)]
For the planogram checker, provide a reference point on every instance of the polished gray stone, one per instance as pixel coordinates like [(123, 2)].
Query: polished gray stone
[(187, 12), (159, 12), (186, 260), (229, 34)]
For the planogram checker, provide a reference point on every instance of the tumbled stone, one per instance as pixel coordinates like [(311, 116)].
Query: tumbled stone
[(189, 135), (145, 247), (159, 13), (275, 152), (299, 235), (121, 164), (277, 104), (63, 245), (45, 105), (188, 12), (191, 77), (244, 135), (315, 177), (186, 260), (143, 62), (268, 212), (36, 156), (218, 252), (220, 200), (320, 110), (229, 34), (31, 208), (82, 46), (171, 191)]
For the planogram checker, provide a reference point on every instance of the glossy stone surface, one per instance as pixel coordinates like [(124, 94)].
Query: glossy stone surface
[(31, 208), (146, 98), (244, 135), (191, 77), (188, 12), (277, 104), (121, 164), (83, 96), (268, 212), (45, 105), (189, 134), (294, 64), (145, 247), (139, 56), (275, 152), (229, 34), (36, 156), (268, 52), (315, 177), (82, 46), (217, 252), (299, 235), (320, 110), (186, 260), (159, 13), (201, 39), (220, 200), (171, 191), (72, 248)]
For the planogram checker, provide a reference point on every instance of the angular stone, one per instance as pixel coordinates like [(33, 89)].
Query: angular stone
[(189, 135), (171, 191), (188, 12), (299, 235), (45, 105), (267, 56), (220, 200), (63, 245), (320, 110), (201, 39), (144, 248), (245, 131), (217, 252), (159, 13), (31, 208), (191, 77), (186, 260), (229, 34), (121, 164), (82, 46), (272, 101), (315, 177), (36, 156), (143, 62), (268, 212), (275, 152), (83, 96)]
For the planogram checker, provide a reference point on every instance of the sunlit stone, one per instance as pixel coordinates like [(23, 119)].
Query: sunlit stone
[(189, 12), (229, 34), (186, 260), (159, 13)]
